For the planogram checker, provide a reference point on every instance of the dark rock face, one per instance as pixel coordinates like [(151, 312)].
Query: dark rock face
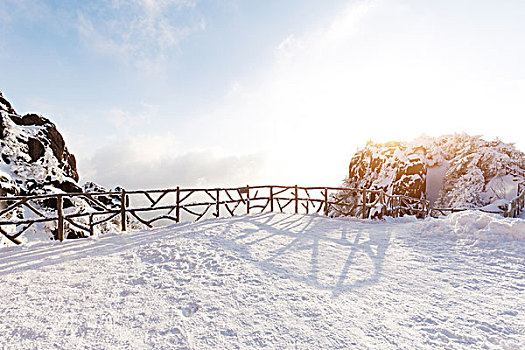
[(388, 168), (30, 119), (50, 137), (67, 186), (58, 146), (36, 149), (5, 105)]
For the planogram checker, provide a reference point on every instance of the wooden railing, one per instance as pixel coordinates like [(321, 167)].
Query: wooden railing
[(517, 204), (512, 209), (85, 213)]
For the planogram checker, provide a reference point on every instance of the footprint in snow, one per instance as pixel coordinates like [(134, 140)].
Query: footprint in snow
[(190, 309), (229, 333)]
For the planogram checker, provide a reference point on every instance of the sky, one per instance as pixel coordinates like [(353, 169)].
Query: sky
[(160, 93)]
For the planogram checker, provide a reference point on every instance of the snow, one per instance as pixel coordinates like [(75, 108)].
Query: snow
[(502, 187), (498, 206), (275, 281)]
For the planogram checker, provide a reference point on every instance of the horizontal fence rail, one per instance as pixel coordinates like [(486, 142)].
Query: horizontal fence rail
[(71, 215), (512, 209)]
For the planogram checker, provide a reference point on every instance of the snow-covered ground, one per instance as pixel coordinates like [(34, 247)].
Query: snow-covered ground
[(273, 280)]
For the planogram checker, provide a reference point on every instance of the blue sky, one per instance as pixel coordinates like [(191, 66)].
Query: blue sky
[(153, 93)]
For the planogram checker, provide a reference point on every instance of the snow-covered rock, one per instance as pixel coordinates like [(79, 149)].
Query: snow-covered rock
[(458, 170), (34, 155), (35, 160), (389, 167)]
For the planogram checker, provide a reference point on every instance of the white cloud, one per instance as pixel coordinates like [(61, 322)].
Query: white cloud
[(140, 33), (159, 162), (125, 120)]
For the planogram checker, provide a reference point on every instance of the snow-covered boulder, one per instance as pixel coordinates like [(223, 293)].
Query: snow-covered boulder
[(460, 170), (389, 167)]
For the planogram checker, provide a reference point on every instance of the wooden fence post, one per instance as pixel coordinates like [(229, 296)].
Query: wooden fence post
[(326, 201), (271, 199), (217, 206), (364, 204), (60, 218), (91, 232), (393, 201), (123, 210), (382, 203), (177, 205), (296, 201), (247, 199)]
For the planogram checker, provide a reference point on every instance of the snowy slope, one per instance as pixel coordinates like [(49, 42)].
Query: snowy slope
[(276, 281)]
